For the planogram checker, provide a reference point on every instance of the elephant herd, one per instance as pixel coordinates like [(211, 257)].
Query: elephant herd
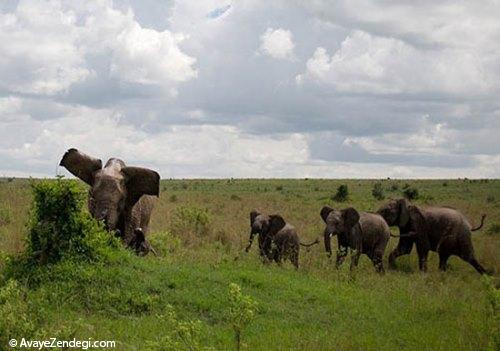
[(440, 229), (123, 196)]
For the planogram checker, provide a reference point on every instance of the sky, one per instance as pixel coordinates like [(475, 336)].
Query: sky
[(253, 89)]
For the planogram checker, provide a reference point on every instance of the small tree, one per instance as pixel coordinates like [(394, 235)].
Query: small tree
[(411, 193), (242, 310), (59, 227), (378, 191), (342, 194)]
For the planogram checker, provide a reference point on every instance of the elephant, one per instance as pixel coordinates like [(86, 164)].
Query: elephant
[(278, 239), (362, 232), (121, 196), (440, 229)]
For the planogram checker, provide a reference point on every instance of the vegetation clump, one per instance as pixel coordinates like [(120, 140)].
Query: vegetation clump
[(493, 229), (190, 223), (60, 228), (342, 194), (411, 193), (241, 312), (378, 191)]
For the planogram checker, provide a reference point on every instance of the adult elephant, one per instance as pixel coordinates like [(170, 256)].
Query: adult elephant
[(278, 239), (362, 232), (119, 195), (441, 229)]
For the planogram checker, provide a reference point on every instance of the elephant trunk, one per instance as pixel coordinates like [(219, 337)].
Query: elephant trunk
[(250, 240)]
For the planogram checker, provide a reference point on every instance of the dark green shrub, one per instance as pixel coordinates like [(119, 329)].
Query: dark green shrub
[(235, 197), (279, 188), (395, 187), (445, 183), (378, 191), (342, 194), (60, 228), (493, 229), (410, 193)]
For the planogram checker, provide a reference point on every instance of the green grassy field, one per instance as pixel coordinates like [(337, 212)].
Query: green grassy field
[(314, 308)]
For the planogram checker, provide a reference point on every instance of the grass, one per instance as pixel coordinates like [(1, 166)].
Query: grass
[(316, 307)]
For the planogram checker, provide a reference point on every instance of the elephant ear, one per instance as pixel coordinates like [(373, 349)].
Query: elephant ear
[(253, 215), (350, 217), (404, 214), (325, 211), (140, 181), (417, 218), (81, 165), (276, 223)]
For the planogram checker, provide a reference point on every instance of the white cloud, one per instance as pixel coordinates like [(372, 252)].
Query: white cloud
[(45, 47), (369, 64), (40, 53), (277, 43)]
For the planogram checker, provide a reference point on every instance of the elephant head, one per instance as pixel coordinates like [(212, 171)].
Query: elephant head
[(114, 189), (266, 227), (395, 212), (338, 222)]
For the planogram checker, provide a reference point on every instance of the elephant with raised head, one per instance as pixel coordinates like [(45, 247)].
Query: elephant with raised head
[(362, 232), (119, 195), (278, 239), (441, 229)]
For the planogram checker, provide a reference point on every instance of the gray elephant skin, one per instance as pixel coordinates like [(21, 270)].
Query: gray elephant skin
[(278, 240), (362, 232), (119, 195), (441, 229)]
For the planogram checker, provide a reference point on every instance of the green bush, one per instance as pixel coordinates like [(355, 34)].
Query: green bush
[(60, 228), (410, 193), (173, 198), (378, 191), (493, 229), (342, 194), (179, 334), (190, 223), (235, 197), (242, 309), (394, 187), (15, 317)]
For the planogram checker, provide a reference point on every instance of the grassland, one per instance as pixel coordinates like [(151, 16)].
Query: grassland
[(317, 307)]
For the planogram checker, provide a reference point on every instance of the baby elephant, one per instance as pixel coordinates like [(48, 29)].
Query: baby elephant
[(278, 240), (366, 233)]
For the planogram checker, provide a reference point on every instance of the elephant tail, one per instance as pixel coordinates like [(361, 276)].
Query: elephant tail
[(311, 244), (481, 225)]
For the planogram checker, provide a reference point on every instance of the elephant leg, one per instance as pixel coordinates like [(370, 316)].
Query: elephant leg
[(422, 252), (355, 258), (475, 263), (443, 258), (377, 262), (341, 255), (295, 261), (404, 248)]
